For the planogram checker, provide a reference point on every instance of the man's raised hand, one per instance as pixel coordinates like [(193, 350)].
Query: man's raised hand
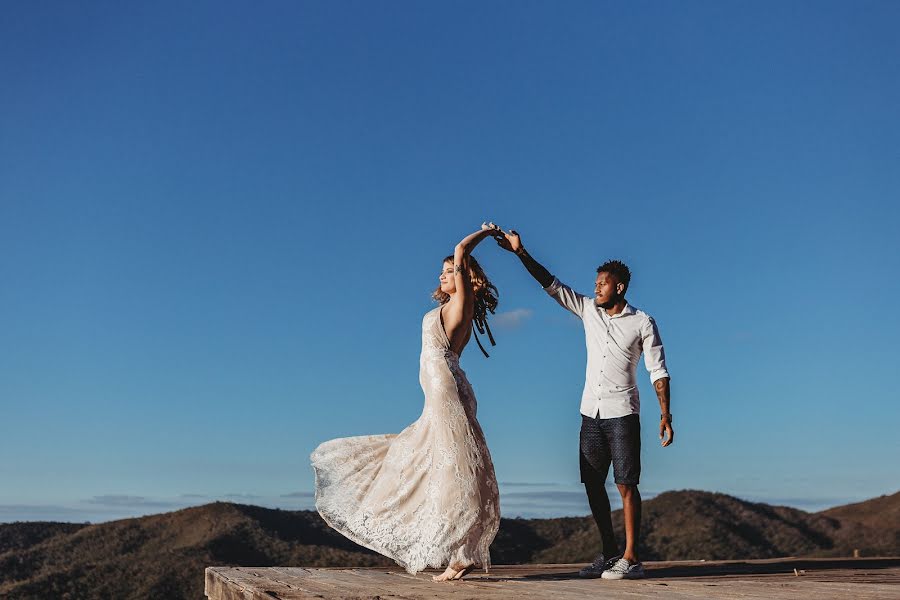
[(509, 241)]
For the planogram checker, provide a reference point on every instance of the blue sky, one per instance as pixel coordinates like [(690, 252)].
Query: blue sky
[(220, 224)]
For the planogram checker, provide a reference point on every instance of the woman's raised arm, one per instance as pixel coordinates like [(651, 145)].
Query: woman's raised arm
[(464, 296), (460, 261)]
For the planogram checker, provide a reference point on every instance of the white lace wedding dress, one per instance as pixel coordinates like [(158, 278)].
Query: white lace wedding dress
[(427, 496)]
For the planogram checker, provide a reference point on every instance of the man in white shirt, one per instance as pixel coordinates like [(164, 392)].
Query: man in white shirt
[(616, 334)]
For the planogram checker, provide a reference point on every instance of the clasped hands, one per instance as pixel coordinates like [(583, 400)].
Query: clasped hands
[(508, 240)]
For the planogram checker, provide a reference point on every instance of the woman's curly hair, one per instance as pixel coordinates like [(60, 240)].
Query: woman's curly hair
[(485, 295)]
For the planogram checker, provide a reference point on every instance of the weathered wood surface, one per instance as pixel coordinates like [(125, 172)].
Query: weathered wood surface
[(858, 579)]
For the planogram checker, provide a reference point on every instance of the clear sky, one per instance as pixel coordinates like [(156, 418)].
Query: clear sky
[(221, 222)]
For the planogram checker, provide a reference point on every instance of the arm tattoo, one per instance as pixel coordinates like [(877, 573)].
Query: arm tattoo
[(536, 269), (458, 268), (662, 392)]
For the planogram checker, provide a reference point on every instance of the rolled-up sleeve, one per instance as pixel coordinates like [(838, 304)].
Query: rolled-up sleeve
[(567, 297), (654, 354)]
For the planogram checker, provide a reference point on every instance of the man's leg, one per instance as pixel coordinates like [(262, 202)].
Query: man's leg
[(631, 509), (600, 509), (594, 462), (624, 436)]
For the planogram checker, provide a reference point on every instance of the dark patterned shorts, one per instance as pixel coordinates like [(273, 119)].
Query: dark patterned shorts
[(616, 441)]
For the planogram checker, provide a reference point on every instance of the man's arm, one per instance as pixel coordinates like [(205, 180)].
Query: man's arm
[(655, 361), (666, 433), (563, 294), (512, 242), (536, 269)]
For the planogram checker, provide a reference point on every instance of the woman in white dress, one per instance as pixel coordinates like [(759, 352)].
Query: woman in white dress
[(427, 496)]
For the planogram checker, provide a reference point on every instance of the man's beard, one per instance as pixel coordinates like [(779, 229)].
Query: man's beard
[(611, 302)]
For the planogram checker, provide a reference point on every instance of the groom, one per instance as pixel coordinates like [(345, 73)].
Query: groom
[(616, 333)]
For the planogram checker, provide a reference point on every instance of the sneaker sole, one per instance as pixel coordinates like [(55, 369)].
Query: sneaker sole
[(617, 576), (590, 575)]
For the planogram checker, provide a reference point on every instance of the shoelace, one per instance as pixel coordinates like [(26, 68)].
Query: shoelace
[(621, 566)]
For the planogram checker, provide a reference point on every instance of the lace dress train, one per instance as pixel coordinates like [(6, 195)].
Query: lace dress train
[(427, 496)]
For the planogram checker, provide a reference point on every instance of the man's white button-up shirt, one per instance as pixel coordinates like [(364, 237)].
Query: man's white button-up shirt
[(614, 345)]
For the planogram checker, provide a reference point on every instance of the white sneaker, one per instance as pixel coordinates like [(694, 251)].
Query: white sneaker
[(622, 569), (596, 568)]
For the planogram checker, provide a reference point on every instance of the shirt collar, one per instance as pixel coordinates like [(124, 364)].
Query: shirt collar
[(628, 310)]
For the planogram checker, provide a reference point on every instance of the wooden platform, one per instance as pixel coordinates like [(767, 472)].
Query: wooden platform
[(855, 579)]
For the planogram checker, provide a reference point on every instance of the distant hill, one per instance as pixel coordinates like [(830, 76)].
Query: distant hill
[(873, 525), (163, 556)]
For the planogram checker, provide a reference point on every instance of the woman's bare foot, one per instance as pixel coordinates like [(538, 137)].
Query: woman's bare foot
[(464, 571), (447, 575), (454, 573)]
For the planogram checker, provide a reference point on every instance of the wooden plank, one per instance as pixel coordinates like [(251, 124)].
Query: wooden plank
[(779, 579), (237, 585)]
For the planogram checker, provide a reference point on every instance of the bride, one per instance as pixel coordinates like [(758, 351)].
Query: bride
[(427, 496)]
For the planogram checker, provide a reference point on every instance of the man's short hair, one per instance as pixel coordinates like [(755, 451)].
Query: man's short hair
[(617, 269)]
